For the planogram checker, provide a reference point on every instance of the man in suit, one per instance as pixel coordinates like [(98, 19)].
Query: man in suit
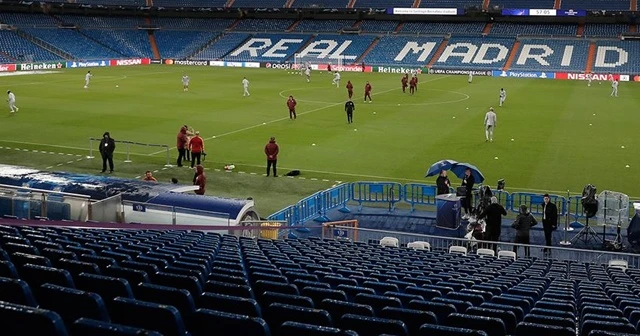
[(493, 214), (467, 181), (549, 220), (443, 183)]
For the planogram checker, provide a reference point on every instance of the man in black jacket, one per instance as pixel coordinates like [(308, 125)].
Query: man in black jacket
[(467, 181), (493, 214), (443, 183), (349, 107), (107, 146), (549, 220)]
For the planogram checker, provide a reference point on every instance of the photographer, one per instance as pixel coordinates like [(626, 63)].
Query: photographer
[(196, 146)]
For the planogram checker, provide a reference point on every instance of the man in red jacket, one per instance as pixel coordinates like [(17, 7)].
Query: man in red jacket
[(350, 89), (367, 92), (404, 81), (196, 146), (200, 179), (181, 144), (291, 104), (272, 150)]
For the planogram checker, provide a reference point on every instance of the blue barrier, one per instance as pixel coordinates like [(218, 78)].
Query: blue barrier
[(420, 194), (576, 210), (535, 202), (336, 197), (376, 192), (288, 214), (309, 208)]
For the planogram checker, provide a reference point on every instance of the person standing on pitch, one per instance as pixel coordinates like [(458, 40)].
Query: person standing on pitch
[(11, 99), (614, 86), (291, 104), (107, 146), (87, 79), (489, 124), (349, 89), (349, 107), (413, 84), (467, 181), (404, 81), (196, 146), (470, 77), (245, 86), (367, 92), (336, 79), (493, 214), (271, 150), (549, 221), (503, 96), (443, 184), (181, 144)]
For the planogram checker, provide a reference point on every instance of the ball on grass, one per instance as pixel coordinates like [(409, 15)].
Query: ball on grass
[(264, 123), (495, 158), (622, 147), (627, 166), (117, 86), (313, 144), (454, 117), (374, 113), (467, 108), (513, 140), (590, 124), (355, 129)]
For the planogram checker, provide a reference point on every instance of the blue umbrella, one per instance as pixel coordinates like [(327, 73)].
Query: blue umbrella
[(439, 166), (460, 167)]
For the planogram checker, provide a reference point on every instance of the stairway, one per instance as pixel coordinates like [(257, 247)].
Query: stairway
[(512, 55), (485, 4), (364, 54), (557, 4), (438, 52), (7, 56), (416, 3), (634, 5), (293, 26), (289, 3), (351, 3), (206, 45), (580, 31), (45, 45), (487, 28), (591, 57), (399, 27), (233, 25)]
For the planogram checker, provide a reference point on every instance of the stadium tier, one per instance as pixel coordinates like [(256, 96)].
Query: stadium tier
[(475, 52), (619, 5), (28, 20), (21, 49), (221, 47), (401, 50), (443, 28), (131, 43), (513, 29), (320, 3), (260, 25), (181, 44), (605, 30), (106, 22), (332, 26), (192, 24), (261, 48), (618, 55), (73, 42), (551, 55), (59, 281), (378, 26)]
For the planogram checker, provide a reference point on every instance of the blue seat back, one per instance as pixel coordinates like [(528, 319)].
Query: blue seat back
[(278, 313), (16, 291), (441, 330), (181, 299), (411, 317), (229, 304), (338, 308), (163, 319), (372, 326), (203, 321), (72, 304), (268, 298), (85, 326), (24, 320), (296, 329)]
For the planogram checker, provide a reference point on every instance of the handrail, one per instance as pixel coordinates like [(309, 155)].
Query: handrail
[(45, 191)]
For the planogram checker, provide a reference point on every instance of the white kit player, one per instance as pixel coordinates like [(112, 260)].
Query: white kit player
[(503, 96), (489, 124), (307, 72), (589, 79), (336, 79), (185, 83), (245, 86), (470, 77), (87, 79), (11, 99), (614, 87)]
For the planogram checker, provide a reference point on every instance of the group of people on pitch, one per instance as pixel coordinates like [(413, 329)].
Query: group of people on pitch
[(492, 215)]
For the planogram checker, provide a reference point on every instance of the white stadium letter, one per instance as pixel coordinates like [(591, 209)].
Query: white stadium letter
[(253, 50), (503, 52), (332, 48), (601, 53), (567, 56), (425, 50), (526, 54), (467, 56), (280, 46)]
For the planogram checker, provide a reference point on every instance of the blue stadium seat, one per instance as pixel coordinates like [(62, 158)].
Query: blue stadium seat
[(150, 269), (25, 320), (164, 319), (72, 304), (190, 283), (440, 330), (75, 267), (12, 248), (507, 317), (101, 262), (20, 259), (229, 304), (268, 298), (107, 287), (440, 309), (517, 311), (85, 326), (378, 302), (181, 299), (372, 326), (307, 283), (296, 329), (228, 279), (16, 291), (229, 289), (318, 294), (204, 321), (352, 291), (262, 286), (588, 326), (8, 270), (36, 276), (277, 313), (411, 317), (526, 328), (550, 320), (491, 325), (338, 308), (56, 254), (133, 276)]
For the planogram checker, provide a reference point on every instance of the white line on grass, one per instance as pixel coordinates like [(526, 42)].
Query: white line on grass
[(287, 118)]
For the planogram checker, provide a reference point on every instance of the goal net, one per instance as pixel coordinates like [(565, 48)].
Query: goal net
[(301, 62)]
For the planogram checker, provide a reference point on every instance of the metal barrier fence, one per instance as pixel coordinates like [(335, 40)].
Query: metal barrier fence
[(438, 243), (33, 203), (128, 144), (317, 206), (137, 212)]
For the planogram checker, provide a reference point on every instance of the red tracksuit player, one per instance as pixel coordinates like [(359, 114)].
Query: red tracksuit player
[(291, 104), (367, 92), (349, 89), (404, 82), (412, 85)]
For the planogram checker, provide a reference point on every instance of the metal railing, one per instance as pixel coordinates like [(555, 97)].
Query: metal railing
[(29, 203), (139, 212), (127, 152)]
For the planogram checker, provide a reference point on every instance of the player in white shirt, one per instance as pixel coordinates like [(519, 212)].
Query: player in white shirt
[(87, 79), (614, 86), (336, 79), (470, 77), (185, 83), (589, 79), (490, 120), (11, 99), (503, 96), (245, 86), (307, 72)]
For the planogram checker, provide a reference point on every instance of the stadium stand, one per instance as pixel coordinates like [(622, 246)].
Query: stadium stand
[(131, 43), (22, 20), (192, 23), (333, 26), (378, 26), (526, 4), (259, 25), (442, 28), (355, 49), (189, 3), (320, 4), (241, 54), (388, 49), (631, 52), (497, 56), (258, 4), (383, 3), (106, 22), (433, 292), (604, 30), (554, 51), (512, 29), (222, 46), (612, 5), (21, 49), (135, 3), (450, 3), (73, 42), (179, 43)]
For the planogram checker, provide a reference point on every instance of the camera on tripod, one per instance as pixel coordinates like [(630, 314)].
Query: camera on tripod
[(589, 200)]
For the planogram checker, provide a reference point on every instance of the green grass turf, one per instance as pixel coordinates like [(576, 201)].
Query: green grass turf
[(554, 146)]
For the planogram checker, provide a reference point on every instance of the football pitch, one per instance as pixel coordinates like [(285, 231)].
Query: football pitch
[(551, 135)]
